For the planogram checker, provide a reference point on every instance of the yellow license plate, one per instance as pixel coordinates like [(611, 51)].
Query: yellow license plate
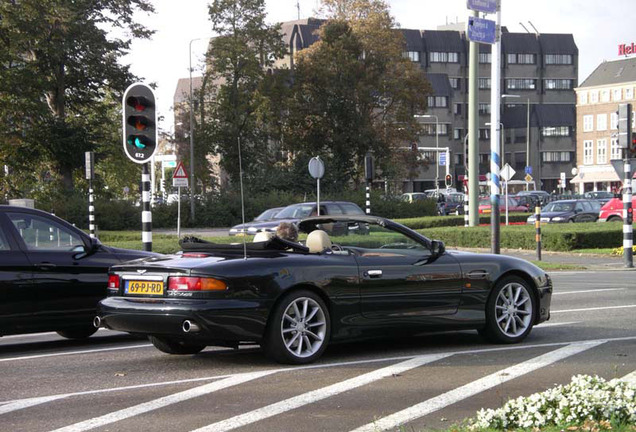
[(144, 287)]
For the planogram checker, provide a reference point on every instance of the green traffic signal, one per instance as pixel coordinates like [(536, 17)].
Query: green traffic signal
[(139, 123), (138, 141)]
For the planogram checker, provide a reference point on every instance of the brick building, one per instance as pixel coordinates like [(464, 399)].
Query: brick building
[(598, 97)]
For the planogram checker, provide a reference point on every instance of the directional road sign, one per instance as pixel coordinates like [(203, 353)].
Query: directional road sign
[(481, 30), (487, 6), (442, 159)]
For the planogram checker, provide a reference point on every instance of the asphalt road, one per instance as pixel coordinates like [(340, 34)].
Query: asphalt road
[(116, 382)]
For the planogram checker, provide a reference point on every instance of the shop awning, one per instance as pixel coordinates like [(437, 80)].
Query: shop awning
[(596, 177)]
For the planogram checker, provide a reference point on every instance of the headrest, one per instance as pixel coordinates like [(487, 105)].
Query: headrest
[(318, 241), (263, 236)]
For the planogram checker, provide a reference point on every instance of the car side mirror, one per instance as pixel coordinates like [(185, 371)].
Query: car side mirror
[(84, 251), (437, 248)]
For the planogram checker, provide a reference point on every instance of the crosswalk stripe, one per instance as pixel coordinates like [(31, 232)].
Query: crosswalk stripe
[(473, 388), (163, 402), (27, 403), (630, 378), (320, 394)]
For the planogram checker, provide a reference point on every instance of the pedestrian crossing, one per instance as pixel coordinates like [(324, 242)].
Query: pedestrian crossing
[(344, 382)]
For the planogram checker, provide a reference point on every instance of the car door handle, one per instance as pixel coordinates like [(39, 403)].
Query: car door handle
[(45, 266), (373, 274), (477, 274)]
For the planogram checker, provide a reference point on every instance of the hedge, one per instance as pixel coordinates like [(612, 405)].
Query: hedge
[(554, 237), (448, 221)]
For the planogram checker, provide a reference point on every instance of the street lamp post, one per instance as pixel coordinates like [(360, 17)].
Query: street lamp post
[(436, 146)]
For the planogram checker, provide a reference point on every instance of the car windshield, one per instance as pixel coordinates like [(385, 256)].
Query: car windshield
[(558, 207), (296, 211), (455, 198), (267, 214)]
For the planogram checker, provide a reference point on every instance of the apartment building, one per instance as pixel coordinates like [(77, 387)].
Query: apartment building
[(539, 73), (612, 83)]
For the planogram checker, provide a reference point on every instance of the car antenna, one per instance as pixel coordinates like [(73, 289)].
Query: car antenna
[(238, 141)]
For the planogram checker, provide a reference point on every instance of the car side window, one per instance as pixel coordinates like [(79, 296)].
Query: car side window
[(4, 243), (40, 234), (587, 206), (378, 241), (333, 209)]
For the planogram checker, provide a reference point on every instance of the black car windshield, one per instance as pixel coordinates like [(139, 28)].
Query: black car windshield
[(296, 211), (558, 207)]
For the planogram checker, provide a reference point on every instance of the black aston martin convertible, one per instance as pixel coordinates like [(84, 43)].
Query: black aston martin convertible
[(375, 278)]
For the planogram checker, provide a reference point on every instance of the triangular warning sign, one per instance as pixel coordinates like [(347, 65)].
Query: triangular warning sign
[(180, 172)]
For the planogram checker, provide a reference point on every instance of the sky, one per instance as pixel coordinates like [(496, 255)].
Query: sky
[(598, 28)]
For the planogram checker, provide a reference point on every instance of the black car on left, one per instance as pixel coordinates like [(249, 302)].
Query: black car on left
[(52, 274)]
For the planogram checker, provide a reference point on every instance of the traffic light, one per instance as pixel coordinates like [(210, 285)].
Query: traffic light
[(449, 180), (631, 152), (140, 123)]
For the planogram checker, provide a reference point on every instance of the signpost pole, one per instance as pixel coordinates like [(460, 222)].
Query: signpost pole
[(146, 215), (473, 129), (179, 213), (495, 187)]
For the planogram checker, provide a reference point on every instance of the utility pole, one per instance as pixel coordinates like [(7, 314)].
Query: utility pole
[(495, 69), (473, 130)]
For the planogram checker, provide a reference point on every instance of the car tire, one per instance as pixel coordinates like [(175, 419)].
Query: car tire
[(510, 311), (78, 332), (298, 330), (615, 219), (173, 346)]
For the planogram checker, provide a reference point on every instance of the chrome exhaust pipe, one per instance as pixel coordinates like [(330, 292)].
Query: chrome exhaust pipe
[(97, 322), (190, 327)]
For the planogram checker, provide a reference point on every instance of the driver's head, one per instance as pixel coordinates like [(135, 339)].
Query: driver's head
[(287, 231)]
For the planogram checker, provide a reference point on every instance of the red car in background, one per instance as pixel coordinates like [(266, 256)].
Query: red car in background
[(612, 211), (513, 205)]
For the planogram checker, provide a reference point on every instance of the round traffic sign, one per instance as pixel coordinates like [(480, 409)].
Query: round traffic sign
[(316, 167)]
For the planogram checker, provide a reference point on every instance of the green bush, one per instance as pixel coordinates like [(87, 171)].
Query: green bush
[(447, 221), (555, 237)]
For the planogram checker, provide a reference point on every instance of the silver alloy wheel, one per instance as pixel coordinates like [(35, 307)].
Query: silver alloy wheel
[(513, 309), (303, 327)]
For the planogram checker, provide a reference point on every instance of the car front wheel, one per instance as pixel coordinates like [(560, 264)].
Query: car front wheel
[(509, 311), (173, 346), (299, 328)]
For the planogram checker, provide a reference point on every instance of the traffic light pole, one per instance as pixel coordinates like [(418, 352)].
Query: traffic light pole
[(628, 215), (146, 215)]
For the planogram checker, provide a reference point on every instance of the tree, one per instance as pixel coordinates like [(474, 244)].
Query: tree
[(241, 79), (60, 76), (355, 92)]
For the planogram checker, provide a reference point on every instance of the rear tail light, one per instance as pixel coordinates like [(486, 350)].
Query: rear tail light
[(183, 283), (113, 282)]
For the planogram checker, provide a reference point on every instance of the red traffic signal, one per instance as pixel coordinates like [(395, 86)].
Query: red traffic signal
[(139, 123), (449, 180), (631, 153)]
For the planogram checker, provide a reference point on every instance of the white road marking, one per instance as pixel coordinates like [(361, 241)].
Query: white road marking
[(163, 402), (73, 353), (630, 378), (319, 394), (434, 404), (592, 309), (28, 335), (587, 291), (556, 324)]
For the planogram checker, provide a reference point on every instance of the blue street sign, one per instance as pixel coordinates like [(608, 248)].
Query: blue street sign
[(487, 6), (442, 159), (528, 170), (481, 30)]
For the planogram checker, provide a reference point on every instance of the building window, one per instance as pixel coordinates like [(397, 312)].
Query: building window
[(588, 123), (629, 93), (457, 108), (485, 57), (484, 134), (444, 57), (437, 101), (454, 82), (615, 149), (594, 96), (613, 121), (561, 59), (521, 84), (605, 95), (457, 133), (484, 83), (601, 122), (588, 152), (555, 131), (601, 151), (583, 98), (556, 156), (414, 56), (429, 129), (617, 94), (484, 108), (559, 84), (521, 58)]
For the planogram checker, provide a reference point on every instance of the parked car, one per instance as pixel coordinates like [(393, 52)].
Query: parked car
[(295, 212), (612, 211), (266, 216), (513, 205), (600, 196), (542, 196), (529, 200), (52, 274), (294, 299), (414, 196), (451, 204), (569, 211)]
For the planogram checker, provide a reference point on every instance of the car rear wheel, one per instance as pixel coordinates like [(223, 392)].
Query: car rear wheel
[(173, 346), (299, 329), (78, 332), (509, 311)]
